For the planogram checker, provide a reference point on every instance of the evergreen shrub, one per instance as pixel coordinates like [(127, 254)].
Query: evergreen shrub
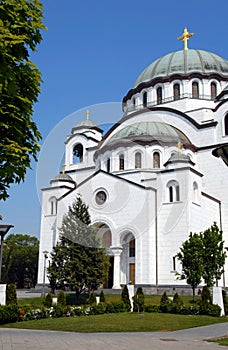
[(11, 294), (9, 313), (165, 303), (48, 300), (138, 300), (102, 297), (125, 298), (61, 300), (176, 304)]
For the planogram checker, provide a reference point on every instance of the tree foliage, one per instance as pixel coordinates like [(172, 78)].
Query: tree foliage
[(20, 33), (190, 256), (202, 257), (78, 261), (125, 298), (20, 260), (138, 300), (212, 254)]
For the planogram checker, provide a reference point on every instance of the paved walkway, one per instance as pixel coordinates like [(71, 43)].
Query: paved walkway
[(190, 339)]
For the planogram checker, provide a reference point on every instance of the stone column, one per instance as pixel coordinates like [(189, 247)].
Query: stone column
[(116, 273)]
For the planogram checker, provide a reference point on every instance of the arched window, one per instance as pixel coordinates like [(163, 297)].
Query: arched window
[(226, 124), (138, 160), (121, 162), (133, 101), (132, 248), (108, 165), (107, 239), (156, 160), (77, 153), (53, 205), (195, 89), (213, 91), (173, 191), (159, 95), (195, 192), (176, 91), (145, 99)]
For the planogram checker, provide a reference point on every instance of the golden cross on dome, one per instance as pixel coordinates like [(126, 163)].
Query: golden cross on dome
[(87, 114), (63, 168), (185, 37)]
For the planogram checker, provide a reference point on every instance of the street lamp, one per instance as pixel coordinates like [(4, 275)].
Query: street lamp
[(222, 152), (3, 231), (45, 252)]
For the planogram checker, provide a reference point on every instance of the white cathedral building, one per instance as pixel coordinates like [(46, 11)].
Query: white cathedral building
[(152, 178)]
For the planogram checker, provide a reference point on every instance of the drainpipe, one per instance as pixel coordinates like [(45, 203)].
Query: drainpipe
[(156, 236)]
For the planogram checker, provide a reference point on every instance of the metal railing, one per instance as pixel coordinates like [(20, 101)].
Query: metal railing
[(168, 99)]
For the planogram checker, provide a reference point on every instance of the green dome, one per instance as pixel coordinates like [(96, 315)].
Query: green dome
[(155, 130), (184, 62)]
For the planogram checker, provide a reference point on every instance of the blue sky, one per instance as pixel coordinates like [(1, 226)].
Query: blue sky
[(91, 56)]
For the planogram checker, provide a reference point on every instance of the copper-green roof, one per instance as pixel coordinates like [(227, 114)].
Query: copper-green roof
[(184, 62), (153, 129)]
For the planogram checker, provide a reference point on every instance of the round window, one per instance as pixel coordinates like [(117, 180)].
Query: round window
[(100, 197)]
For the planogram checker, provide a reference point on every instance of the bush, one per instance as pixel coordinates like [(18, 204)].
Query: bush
[(11, 294), (165, 303), (92, 298), (176, 304), (61, 298), (115, 307), (125, 298), (206, 301), (151, 308), (138, 300), (214, 310), (48, 300), (9, 314), (102, 297), (98, 309), (189, 310)]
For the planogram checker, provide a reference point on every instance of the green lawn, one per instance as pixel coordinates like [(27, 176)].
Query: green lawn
[(123, 322), (220, 341)]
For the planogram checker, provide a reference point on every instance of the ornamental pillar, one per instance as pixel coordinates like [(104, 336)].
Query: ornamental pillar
[(116, 273)]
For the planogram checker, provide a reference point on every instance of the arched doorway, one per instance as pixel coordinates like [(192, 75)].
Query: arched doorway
[(105, 235), (128, 258)]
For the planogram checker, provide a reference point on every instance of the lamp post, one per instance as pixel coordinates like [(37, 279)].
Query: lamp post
[(45, 252), (222, 152), (3, 231)]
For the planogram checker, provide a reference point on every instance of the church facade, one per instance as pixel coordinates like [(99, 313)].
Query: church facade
[(152, 178)]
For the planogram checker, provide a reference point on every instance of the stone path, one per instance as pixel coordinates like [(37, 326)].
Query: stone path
[(190, 339)]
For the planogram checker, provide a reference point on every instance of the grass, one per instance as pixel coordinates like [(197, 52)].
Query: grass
[(220, 341), (123, 322)]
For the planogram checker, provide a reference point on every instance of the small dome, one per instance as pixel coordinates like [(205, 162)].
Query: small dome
[(183, 63), (63, 177), (87, 123), (155, 130)]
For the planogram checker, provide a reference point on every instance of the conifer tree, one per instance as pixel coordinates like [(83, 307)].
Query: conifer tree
[(125, 298), (77, 260)]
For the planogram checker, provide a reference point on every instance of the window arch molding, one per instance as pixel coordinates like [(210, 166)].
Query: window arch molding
[(213, 89), (145, 99), (156, 159), (196, 88), (77, 153), (173, 191), (195, 189), (53, 205), (138, 159), (177, 89), (159, 94)]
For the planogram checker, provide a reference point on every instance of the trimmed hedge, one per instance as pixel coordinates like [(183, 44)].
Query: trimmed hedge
[(9, 314)]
